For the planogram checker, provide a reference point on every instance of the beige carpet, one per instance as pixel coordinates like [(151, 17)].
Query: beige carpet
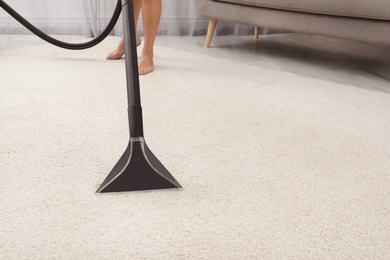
[(273, 165)]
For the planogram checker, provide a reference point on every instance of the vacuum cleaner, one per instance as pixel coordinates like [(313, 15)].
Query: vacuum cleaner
[(138, 168)]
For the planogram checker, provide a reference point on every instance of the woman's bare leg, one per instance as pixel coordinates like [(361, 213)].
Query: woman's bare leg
[(120, 48), (151, 13)]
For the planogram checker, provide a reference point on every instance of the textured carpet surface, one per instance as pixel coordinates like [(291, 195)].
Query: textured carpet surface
[(273, 165)]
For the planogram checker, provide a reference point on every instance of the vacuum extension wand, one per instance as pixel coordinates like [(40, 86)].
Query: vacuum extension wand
[(138, 168)]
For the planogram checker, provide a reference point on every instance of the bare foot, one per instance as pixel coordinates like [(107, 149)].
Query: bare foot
[(120, 49), (145, 65), (115, 55)]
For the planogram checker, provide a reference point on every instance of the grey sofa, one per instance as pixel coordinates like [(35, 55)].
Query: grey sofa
[(359, 20)]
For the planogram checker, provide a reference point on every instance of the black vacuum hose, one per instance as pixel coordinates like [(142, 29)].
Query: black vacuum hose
[(61, 44)]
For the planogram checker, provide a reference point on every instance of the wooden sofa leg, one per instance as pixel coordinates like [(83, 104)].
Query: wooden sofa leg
[(257, 32), (210, 32)]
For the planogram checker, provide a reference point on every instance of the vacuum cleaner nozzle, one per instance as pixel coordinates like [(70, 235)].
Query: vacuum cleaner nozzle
[(138, 169)]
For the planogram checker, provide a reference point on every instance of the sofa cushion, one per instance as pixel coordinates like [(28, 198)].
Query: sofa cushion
[(373, 9)]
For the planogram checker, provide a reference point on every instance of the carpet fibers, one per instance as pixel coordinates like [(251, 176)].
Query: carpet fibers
[(273, 165)]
